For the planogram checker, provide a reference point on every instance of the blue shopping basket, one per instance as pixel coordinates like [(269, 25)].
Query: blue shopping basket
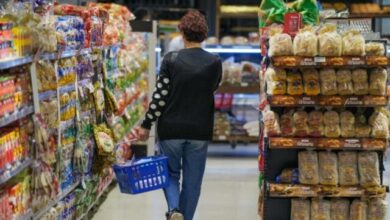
[(143, 175)]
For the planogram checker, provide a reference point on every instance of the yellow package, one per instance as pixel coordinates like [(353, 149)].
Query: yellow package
[(311, 81), (294, 83)]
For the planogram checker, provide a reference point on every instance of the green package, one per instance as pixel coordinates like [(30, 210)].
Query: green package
[(271, 11), (308, 9)]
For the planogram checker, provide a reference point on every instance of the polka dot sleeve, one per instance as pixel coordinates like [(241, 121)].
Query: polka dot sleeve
[(159, 98)]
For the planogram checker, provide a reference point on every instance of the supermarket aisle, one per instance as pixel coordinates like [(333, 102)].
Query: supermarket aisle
[(230, 191)]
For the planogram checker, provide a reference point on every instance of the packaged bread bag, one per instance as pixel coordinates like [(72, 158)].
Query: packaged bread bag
[(280, 44), (276, 81), (360, 81), (377, 209), (348, 168), (308, 167), (300, 209), (320, 209), (316, 124), (378, 79), (339, 209), (300, 119), (305, 43), (358, 210), (344, 82), (328, 82), (294, 83), (368, 163), (347, 124), (332, 124), (271, 123), (311, 81), (353, 43), (287, 124), (328, 168), (375, 49), (329, 41), (379, 122)]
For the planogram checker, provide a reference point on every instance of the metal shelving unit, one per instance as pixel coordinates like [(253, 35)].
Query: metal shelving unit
[(15, 171)]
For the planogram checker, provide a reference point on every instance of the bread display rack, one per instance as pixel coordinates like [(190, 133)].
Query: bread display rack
[(322, 155)]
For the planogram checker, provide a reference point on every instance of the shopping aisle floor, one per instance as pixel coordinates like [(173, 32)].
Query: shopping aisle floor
[(230, 191)]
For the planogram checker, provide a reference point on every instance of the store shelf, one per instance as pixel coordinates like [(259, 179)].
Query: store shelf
[(51, 204), (244, 88), (85, 214), (235, 138), (336, 62), (335, 101), (369, 15), (328, 143), (13, 62), (15, 171), (16, 116), (304, 191), (26, 216)]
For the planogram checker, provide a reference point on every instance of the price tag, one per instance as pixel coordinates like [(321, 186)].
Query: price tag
[(352, 143), (307, 62), (306, 100), (305, 143), (353, 101), (320, 59), (356, 61)]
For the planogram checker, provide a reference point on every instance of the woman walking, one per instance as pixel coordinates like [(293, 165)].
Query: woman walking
[(183, 106)]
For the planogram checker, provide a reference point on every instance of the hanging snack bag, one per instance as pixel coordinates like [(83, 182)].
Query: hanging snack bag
[(308, 167), (305, 43), (353, 43), (276, 81), (294, 83), (360, 81), (320, 209), (271, 123), (378, 79), (344, 82), (339, 209), (332, 124), (328, 168), (287, 124), (311, 81), (300, 119), (280, 44), (300, 209), (348, 168), (328, 82), (358, 210), (316, 124), (347, 124), (377, 209), (379, 123), (329, 41), (369, 169)]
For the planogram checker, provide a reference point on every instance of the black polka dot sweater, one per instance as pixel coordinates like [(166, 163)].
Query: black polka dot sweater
[(183, 101)]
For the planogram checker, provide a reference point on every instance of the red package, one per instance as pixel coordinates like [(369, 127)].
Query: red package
[(292, 23)]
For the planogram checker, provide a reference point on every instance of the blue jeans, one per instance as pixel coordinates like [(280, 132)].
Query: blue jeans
[(189, 155)]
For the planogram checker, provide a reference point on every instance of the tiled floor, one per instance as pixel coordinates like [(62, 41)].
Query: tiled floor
[(230, 192)]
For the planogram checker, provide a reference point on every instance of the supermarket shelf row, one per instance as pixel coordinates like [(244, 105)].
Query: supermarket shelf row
[(15, 171), (51, 204), (236, 138), (8, 119), (242, 88), (304, 191)]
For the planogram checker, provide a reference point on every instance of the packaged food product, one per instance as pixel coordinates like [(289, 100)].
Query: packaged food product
[(375, 49), (328, 168), (353, 43), (377, 209), (328, 82), (332, 124), (348, 168), (360, 81), (329, 41), (362, 129), (287, 124), (320, 209), (305, 43), (379, 123), (347, 124), (311, 81), (280, 44), (358, 210), (339, 209), (308, 167), (369, 169), (378, 78), (288, 175), (344, 82), (300, 209), (316, 124), (276, 81), (271, 123), (300, 119), (294, 83)]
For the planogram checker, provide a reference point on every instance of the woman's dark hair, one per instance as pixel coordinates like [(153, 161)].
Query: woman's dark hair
[(193, 25)]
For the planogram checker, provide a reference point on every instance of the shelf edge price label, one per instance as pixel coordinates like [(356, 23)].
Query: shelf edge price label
[(306, 100), (356, 61), (352, 143), (353, 101), (319, 59), (308, 61), (305, 143)]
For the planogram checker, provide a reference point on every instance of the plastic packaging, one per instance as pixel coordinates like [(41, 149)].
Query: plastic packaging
[(358, 210), (344, 82), (369, 169), (362, 129), (280, 44), (375, 49), (377, 208), (300, 209), (339, 209), (348, 168), (347, 124), (271, 123), (294, 83), (353, 43), (315, 122), (328, 82), (276, 81), (328, 168), (308, 167), (287, 124), (378, 79), (379, 124), (305, 43), (329, 41), (360, 81), (320, 209), (332, 124), (300, 119), (311, 81), (288, 175)]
